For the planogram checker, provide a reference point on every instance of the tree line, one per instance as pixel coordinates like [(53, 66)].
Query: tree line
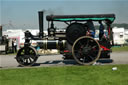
[(120, 25)]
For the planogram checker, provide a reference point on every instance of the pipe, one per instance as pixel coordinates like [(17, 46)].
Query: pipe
[(41, 23), (1, 32)]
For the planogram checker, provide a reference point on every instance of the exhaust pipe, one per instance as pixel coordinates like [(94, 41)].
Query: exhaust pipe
[(0, 31), (0, 34), (41, 23)]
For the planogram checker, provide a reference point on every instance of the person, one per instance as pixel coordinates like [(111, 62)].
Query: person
[(101, 30), (91, 28), (14, 45)]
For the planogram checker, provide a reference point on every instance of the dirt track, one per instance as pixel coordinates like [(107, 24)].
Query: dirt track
[(8, 61)]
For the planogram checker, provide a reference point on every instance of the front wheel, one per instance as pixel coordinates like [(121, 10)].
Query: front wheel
[(27, 56)]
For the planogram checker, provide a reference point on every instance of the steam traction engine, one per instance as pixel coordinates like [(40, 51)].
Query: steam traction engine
[(76, 41)]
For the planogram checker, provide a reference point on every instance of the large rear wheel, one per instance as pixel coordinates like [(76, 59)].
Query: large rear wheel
[(86, 50)]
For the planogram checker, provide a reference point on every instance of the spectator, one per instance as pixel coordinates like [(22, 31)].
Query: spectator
[(14, 44)]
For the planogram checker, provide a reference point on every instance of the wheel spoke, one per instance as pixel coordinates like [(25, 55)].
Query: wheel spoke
[(95, 50), (32, 56), (77, 51), (84, 60), (87, 43), (22, 55), (26, 61), (94, 47), (30, 60), (92, 54), (31, 52), (92, 58), (80, 43)]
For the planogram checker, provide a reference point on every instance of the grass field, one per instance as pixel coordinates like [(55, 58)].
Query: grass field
[(124, 48), (67, 75)]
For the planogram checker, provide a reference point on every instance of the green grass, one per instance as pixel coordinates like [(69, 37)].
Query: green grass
[(124, 48), (67, 75)]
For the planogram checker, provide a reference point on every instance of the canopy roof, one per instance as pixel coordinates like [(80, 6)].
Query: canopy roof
[(96, 17)]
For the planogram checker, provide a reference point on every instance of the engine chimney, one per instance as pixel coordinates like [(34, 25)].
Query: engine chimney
[(41, 23), (0, 34), (0, 31)]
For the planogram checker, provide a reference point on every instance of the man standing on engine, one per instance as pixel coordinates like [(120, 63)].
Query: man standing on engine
[(101, 30), (91, 28)]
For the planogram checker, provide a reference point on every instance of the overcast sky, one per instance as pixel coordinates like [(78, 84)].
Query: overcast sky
[(24, 13)]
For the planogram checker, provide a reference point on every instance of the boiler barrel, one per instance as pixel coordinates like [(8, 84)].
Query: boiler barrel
[(52, 44)]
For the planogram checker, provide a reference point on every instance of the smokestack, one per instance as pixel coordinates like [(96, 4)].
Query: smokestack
[(0, 31), (41, 23), (0, 34)]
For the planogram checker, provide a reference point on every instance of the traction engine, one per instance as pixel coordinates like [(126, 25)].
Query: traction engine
[(75, 41)]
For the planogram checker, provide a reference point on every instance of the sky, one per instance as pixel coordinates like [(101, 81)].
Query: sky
[(23, 14)]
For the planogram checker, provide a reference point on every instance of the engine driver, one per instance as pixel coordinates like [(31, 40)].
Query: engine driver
[(91, 28), (101, 30)]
